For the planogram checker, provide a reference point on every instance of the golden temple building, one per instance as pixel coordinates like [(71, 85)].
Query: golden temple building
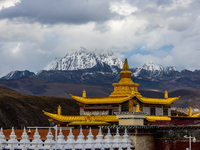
[(125, 105)]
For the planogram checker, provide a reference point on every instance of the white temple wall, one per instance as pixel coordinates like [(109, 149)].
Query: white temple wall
[(80, 142), (159, 111), (146, 110)]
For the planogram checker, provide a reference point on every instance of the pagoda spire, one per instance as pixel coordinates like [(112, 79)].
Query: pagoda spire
[(125, 66)]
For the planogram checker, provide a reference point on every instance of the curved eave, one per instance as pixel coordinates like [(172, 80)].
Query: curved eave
[(89, 123), (165, 101), (61, 118), (155, 118), (196, 115), (108, 100)]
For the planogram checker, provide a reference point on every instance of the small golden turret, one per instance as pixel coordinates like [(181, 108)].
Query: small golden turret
[(190, 111), (59, 110), (84, 93), (166, 95)]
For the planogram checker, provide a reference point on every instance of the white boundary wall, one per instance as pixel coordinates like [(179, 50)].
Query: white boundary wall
[(110, 142)]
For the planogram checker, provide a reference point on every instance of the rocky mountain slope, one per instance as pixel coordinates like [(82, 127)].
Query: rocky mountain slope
[(84, 59), (18, 110), (18, 74), (99, 71)]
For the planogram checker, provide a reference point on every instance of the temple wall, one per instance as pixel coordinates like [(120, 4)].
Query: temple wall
[(116, 109), (172, 138), (146, 110), (159, 111), (143, 142), (169, 112), (131, 121), (96, 112), (81, 112)]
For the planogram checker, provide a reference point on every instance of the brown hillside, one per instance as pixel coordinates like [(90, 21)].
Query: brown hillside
[(18, 110), (32, 86)]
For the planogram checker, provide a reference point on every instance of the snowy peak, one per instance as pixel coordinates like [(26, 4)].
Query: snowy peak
[(18, 74), (171, 68), (84, 59), (151, 70), (150, 66)]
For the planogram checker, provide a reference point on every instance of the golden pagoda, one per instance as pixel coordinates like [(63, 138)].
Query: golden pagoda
[(125, 99)]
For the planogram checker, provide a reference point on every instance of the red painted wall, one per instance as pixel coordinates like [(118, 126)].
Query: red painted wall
[(175, 145)]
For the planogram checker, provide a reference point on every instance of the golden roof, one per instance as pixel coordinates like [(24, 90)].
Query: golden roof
[(105, 100), (155, 118), (88, 118), (196, 115), (96, 120), (118, 100), (163, 101), (89, 123), (124, 90)]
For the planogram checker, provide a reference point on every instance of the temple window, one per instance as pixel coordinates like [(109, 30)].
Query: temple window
[(152, 111), (124, 109), (141, 108), (165, 112)]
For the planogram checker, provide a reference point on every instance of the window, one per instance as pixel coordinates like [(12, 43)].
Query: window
[(165, 112), (124, 109), (152, 111)]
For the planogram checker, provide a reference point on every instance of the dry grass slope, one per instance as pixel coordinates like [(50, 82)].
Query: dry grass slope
[(18, 110)]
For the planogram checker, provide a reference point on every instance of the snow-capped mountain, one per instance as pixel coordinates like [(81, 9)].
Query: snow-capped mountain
[(18, 74), (84, 59), (151, 70)]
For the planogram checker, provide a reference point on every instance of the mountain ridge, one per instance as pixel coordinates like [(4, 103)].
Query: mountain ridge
[(84, 59), (149, 76)]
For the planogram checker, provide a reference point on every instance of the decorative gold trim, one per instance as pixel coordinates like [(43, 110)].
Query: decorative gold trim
[(155, 118), (167, 101), (118, 100), (88, 118), (107, 100), (89, 123)]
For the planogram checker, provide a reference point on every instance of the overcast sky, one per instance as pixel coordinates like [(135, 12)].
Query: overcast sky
[(34, 32)]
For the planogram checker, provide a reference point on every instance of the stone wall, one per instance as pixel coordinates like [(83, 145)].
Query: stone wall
[(143, 142)]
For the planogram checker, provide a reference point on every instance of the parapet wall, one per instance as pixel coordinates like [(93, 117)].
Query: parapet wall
[(70, 142), (172, 137)]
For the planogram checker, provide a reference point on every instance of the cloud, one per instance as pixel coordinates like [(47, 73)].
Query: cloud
[(46, 29), (59, 11), (8, 3)]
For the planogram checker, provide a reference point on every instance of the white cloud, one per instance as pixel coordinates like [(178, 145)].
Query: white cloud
[(8, 3), (123, 8), (123, 26)]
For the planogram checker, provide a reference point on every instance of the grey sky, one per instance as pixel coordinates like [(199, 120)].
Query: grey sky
[(33, 33)]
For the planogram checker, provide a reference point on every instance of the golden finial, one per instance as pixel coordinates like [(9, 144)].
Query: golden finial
[(84, 93), (59, 110), (125, 66), (166, 95), (190, 111)]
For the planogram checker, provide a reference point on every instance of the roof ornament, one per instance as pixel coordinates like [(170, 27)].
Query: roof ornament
[(190, 111), (125, 66)]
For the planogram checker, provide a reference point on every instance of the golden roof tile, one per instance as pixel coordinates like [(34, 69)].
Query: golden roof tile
[(154, 118), (111, 100), (105, 100), (88, 118), (164, 101)]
